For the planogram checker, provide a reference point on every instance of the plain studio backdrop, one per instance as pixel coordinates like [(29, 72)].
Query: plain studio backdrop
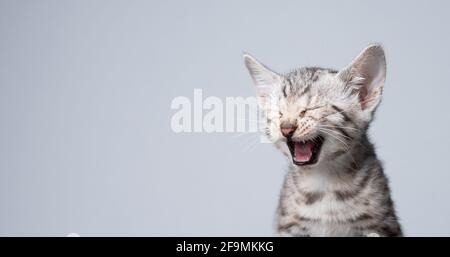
[(86, 144)]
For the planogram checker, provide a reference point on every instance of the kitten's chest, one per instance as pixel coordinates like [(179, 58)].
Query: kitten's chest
[(323, 205), (329, 216), (333, 229), (327, 207)]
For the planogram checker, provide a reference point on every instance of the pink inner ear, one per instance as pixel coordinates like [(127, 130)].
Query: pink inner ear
[(363, 97), (367, 98)]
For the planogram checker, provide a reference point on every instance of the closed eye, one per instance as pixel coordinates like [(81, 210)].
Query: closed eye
[(314, 108), (303, 112)]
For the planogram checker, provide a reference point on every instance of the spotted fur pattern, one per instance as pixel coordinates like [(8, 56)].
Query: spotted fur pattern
[(346, 192)]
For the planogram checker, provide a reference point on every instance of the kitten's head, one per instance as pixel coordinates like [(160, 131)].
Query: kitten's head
[(314, 114)]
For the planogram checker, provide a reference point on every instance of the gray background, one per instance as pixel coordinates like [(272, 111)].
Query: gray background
[(85, 92)]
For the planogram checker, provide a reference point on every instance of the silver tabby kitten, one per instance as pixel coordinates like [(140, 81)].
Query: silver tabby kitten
[(319, 118)]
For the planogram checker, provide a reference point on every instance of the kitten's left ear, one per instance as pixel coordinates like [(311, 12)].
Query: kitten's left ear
[(367, 74), (264, 78)]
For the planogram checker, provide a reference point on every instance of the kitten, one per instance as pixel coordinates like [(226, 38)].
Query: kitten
[(319, 119)]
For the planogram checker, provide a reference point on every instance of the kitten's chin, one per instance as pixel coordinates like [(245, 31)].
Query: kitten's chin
[(306, 152)]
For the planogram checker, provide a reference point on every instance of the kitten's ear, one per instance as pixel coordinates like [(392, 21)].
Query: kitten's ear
[(265, 79), (367, 74)]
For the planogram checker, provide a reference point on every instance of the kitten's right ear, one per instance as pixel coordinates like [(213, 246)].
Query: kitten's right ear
[(367, 74), (265, 79)]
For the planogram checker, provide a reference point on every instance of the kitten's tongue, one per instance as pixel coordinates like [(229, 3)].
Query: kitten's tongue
[(303, 151)]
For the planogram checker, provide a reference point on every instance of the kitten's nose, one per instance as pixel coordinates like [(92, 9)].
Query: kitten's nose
[(288, 129)]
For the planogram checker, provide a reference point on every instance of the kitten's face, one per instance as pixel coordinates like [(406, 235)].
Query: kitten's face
[(315, 115), (304, 119)]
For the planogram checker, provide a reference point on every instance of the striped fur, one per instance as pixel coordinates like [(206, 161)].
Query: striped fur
[(346, 193)]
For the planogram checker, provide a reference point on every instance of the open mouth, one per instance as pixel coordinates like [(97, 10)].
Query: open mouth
[(305, 152)]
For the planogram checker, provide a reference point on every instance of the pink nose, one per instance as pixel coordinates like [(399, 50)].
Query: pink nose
[(288, 131)]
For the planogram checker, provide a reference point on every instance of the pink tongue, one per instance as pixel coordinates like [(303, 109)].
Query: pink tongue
[(303, 151)]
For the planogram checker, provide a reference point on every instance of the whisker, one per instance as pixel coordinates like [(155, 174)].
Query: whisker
[(253, 143), (336, 136), (346, 147)]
